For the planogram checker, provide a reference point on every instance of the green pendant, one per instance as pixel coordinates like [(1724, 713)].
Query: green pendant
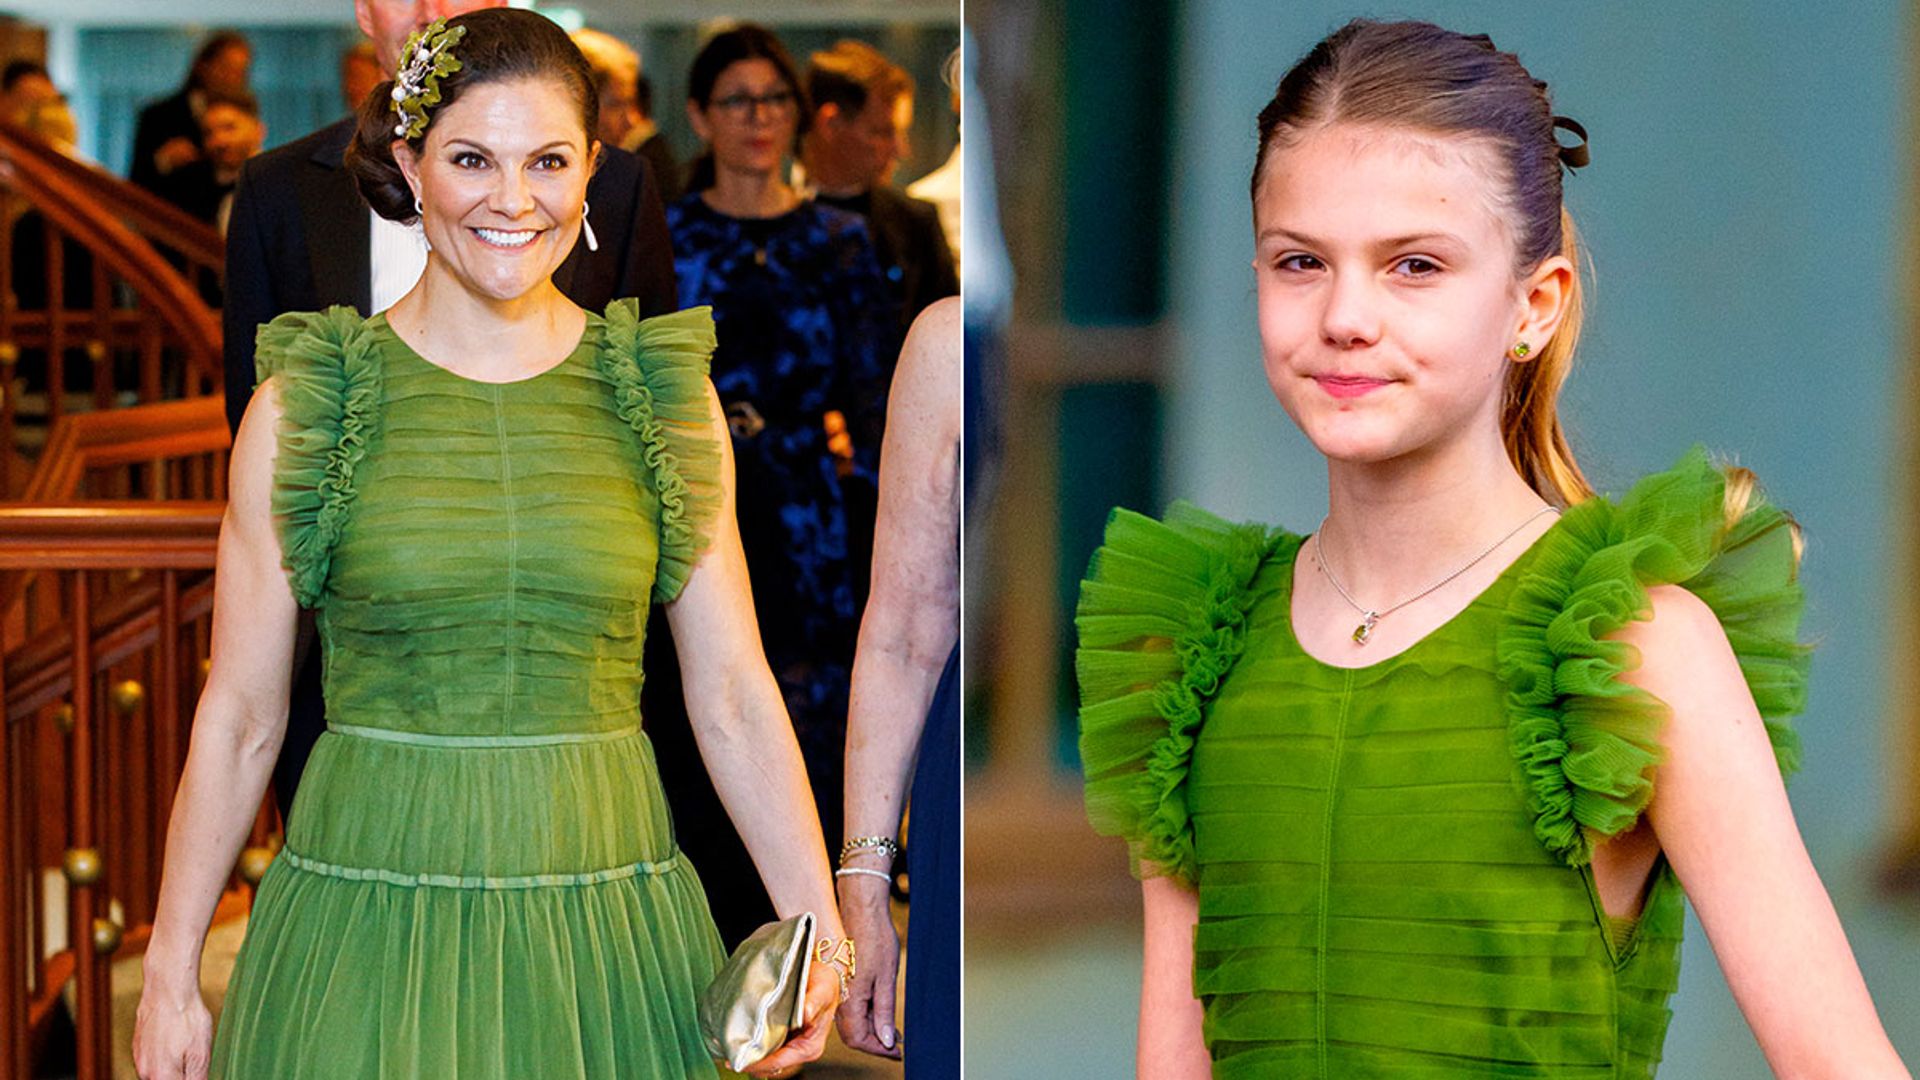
[(1365, 630)]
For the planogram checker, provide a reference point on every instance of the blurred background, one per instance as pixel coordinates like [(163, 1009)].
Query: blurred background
[(111, 56), (1747, 215)]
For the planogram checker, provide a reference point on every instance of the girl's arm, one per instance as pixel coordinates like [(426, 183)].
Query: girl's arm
[(1721, 813), (1170, 1045), (740, 722), (908, 630), (236, 735)]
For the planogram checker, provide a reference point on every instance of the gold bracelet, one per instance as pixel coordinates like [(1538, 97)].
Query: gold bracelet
[(884, 845)]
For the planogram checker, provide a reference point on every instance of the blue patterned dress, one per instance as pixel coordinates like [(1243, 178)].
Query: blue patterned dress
[(805, 325)]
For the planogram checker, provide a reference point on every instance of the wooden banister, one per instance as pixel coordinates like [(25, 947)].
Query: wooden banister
[(94, 711), (109, 535), (162, 224), (127, 255), (190, 429), (101, 298), (92, 440)]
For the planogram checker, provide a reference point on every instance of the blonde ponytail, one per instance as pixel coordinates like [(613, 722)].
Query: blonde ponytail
[(1743, 495), (1537, 444)]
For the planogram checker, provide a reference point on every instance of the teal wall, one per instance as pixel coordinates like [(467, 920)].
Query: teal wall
[(295, 74), (1744, 214)]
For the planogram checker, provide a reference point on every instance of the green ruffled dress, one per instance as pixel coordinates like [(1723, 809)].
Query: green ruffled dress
[(1393, 862), (480, 877)]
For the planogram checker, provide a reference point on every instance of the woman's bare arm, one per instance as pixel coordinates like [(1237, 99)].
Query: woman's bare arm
[(242, 713), (237, 731), (746, 739), (913, 616), (740, 720), (1721, 813), (909, 628), (1170, 1046)]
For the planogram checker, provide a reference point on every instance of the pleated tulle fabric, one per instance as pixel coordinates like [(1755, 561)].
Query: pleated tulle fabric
[(1392, 861), (480, 877)]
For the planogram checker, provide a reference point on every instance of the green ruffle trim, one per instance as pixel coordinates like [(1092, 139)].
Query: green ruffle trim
[(1161, 620), (658, 368), (329, 410), (1586, 741)]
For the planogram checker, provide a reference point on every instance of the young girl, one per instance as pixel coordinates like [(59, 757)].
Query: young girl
[(1417, 795)]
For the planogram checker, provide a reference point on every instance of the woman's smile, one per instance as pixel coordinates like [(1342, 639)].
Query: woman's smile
[(506, 239)]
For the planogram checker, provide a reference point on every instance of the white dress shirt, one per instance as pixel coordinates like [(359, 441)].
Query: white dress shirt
[(399, 254)]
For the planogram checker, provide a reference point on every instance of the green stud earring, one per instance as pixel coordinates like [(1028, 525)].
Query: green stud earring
[(1522, 350)]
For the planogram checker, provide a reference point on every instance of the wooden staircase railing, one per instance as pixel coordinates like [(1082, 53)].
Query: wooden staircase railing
[(93, 737), (82, 284), (173, 450), (195, 243), (105, 629)]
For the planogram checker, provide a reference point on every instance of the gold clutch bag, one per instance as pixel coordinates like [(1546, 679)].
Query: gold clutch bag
[(759, 996)]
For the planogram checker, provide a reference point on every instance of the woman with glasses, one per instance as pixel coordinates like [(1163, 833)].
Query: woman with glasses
[(800, 310)]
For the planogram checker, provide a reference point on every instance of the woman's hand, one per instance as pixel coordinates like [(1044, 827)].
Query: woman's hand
[(238, 727), (172, 1034), (866, 1018), (823, 995)]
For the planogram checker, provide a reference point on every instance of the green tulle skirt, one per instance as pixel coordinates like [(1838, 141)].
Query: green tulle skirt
[(487, 909)]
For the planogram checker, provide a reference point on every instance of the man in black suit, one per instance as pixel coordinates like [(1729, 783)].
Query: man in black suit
[(862, 108), (300, 239), (167, 134)]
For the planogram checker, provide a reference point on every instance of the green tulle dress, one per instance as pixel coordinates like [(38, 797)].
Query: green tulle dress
[(480, 878), (1393, 862)]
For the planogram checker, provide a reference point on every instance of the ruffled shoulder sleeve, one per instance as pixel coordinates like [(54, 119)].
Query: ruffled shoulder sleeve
[(658, 368), (328, 379), (1161, 620), (1586, 741)]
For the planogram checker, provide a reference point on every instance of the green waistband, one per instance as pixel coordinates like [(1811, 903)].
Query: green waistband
[(476, 881), (418, 738)]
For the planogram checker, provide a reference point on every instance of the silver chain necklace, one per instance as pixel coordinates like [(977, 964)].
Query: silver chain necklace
[(1370, 616)]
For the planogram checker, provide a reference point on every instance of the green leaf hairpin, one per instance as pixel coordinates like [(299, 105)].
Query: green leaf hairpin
[(424, 61)]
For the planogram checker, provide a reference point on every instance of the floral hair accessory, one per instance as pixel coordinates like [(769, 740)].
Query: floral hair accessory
[(424, 61)]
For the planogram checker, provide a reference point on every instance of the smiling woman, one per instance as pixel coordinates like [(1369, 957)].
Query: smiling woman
[(482, 492), (497, 180)]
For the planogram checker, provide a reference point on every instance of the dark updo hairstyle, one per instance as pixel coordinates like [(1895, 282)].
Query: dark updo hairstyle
[(500, 45), (747, 41), (1425, 77)]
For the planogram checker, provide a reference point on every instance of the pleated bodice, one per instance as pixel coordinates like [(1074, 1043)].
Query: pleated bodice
[(1373, 900), (482, 558), (495, 574), (1393, 862)]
